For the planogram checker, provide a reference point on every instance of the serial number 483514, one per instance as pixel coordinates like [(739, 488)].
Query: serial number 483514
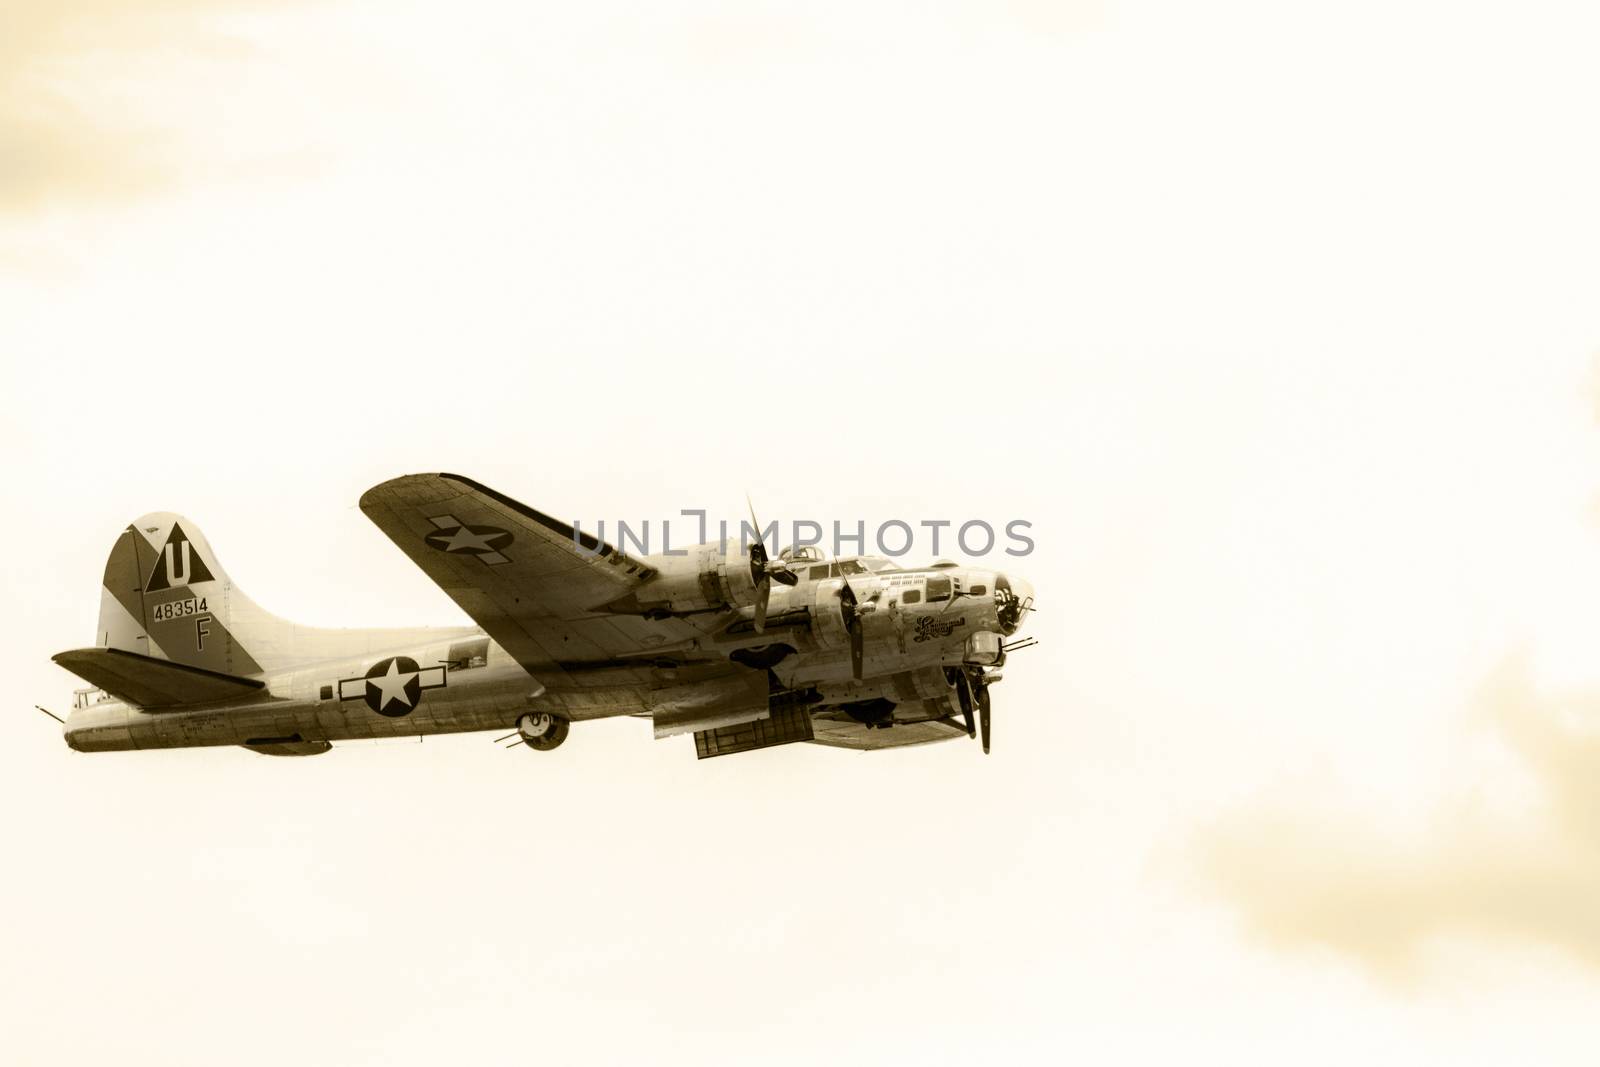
[(178, 609)]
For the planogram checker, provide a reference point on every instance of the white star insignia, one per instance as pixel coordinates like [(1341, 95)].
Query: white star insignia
[(464, 540), (453, 536), (392, 686)]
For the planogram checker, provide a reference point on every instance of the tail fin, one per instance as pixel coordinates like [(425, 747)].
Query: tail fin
[(165, 595)]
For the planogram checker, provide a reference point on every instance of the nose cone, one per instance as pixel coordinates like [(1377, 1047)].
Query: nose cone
[(1024, 591)]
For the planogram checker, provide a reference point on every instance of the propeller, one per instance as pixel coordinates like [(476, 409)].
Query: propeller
[(764, 571)]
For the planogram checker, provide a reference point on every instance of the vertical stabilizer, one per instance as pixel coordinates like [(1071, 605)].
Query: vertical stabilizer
[(165, 595)]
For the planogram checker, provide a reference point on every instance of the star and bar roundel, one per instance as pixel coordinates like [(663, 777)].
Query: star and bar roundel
[(458, 538), (392, 686)]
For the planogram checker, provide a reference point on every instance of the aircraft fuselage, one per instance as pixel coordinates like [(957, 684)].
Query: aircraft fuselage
[(463, 681)]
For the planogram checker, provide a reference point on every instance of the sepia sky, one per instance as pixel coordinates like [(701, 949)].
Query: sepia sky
[(1280, 326)]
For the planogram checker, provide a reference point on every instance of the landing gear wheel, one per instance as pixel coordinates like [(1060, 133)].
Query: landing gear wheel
[(542, 730)]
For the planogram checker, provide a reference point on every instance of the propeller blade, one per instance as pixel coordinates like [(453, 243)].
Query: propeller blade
[(964, 697), (759, 572), (983, 716), (764, 570), (758, 547), (763, 591)]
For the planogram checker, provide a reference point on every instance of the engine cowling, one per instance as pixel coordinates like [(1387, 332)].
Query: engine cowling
[(708, 577)]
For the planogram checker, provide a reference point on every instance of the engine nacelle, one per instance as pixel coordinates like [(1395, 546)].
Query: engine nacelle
[(708, 577)]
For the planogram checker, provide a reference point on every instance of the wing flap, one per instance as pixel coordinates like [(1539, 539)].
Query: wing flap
[(155, 683), (293, 745)]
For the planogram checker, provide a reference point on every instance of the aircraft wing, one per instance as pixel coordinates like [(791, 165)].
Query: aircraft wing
[(524, 576), (844, 732)]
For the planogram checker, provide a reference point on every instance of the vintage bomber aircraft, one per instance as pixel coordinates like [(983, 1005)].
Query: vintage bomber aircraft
[(743, 650)]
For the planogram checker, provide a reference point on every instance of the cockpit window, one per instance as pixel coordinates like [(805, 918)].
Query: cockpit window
[(833, 570), (938, 589)]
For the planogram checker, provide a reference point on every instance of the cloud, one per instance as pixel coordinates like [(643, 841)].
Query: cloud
[(57, 137), (108, 100), (49, 150), (87, 90), (1302, 880)]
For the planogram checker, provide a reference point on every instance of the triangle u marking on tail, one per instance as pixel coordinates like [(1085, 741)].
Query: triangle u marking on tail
[(177, 564)]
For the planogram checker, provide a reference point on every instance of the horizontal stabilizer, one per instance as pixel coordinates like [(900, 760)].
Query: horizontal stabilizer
[(154, 683)]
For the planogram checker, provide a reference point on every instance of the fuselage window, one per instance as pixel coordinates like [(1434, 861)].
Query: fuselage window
[(979, 590), (911, 596), (938, 589), (851, 566), (327, 693), (465, 655), (820, 572)]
